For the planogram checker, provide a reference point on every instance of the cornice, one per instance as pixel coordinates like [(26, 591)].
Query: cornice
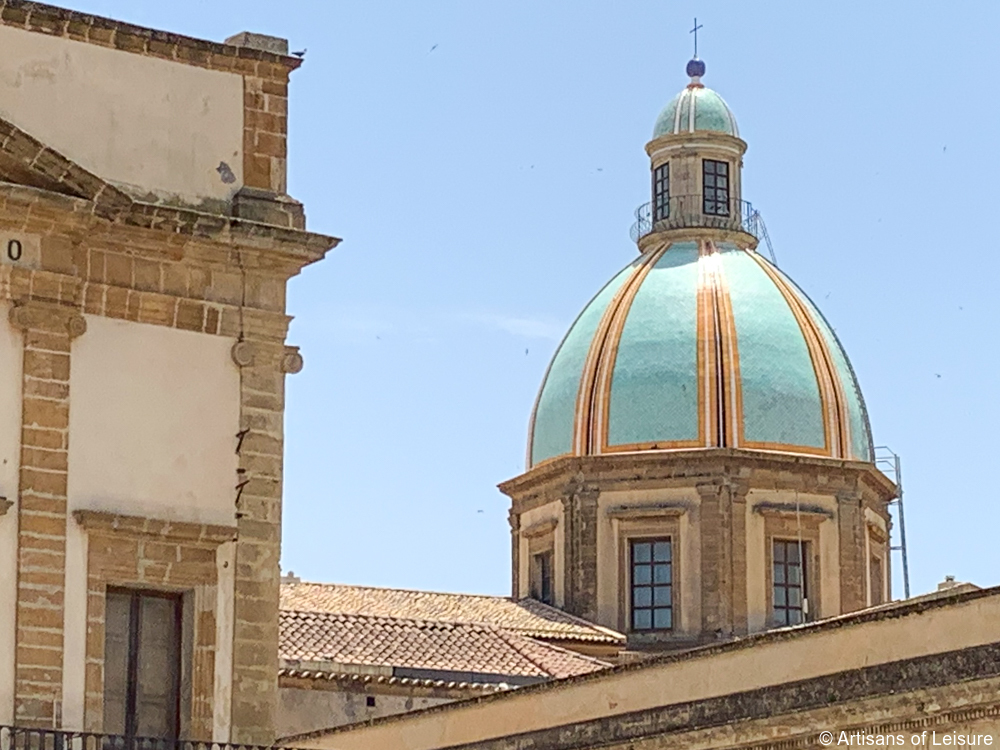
[(96, 521)]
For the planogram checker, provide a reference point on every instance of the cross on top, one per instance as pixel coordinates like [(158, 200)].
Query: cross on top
[(695, 32)]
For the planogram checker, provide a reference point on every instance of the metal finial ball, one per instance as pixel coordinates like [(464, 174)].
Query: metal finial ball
[(696, 68)]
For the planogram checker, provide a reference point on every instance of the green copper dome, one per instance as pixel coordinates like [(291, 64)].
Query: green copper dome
[(700, 344), (695, 109)]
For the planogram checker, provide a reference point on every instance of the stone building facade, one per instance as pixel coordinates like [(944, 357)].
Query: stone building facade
[(146, 239)]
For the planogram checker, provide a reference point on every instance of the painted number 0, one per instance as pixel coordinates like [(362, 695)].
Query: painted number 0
[(14, 249)]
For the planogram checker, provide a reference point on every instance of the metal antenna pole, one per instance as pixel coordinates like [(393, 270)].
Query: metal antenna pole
[(902, 528), (888, 461)]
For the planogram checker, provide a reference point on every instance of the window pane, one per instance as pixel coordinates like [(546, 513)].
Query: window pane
[(661, 596), (794, 576), (642, 619), (641, 551), (158, 667), (642, 597), (794, 616), (661, 551), (661, 573), (781, 616), (642, 574), (779, 551), (793, 552), (116, 639), (779, 573), (721, 167), (662, 618), (795, 597), (779, 597)]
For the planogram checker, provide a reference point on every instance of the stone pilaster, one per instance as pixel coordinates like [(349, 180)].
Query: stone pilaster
[(738, 580), (580, 514), (263, 365), (48, 330), (515, 554), (853, 562), (714, 558)]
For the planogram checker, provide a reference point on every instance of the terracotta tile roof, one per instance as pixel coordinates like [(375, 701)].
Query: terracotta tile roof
[(527, 616), (470, 651)]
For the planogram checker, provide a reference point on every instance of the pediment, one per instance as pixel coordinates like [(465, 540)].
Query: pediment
[(24, 160)]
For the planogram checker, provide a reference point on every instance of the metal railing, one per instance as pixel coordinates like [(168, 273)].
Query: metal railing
[(684, 211), (23, 738)]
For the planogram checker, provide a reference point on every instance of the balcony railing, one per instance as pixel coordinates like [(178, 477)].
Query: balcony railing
[(686, 211), (20, 738)]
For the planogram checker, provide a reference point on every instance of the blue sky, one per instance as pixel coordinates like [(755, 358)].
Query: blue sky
[(482, 162)]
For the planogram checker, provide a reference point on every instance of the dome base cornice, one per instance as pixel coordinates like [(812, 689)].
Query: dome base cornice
[(661, 237), (696, 468)]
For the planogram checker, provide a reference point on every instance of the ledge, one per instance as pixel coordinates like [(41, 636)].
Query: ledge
[(651, 510), (103, 522), (541, 528), (791, 509)]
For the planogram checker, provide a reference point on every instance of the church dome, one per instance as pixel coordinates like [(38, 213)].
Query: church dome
[(700, 344), (696, 108)]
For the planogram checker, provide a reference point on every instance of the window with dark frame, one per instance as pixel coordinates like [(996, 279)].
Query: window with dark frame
[(541, 577), (651, 584), (661, 192), (790, 592), (142, 663), (876, 580), (715, 187)]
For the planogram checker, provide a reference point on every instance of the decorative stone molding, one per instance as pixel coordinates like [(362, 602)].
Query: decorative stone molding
[(292, 361), (652, 510), (39, 315), (242, 352), (541, 528), (101, 521), (5, 505), (877, 533), (792, 510)]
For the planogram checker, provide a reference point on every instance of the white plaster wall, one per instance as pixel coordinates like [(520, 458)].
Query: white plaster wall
[(10, 443), (158, 125), (153, 417), (610, 573)]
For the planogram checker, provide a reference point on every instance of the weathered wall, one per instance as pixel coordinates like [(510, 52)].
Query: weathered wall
[(157, 125), (153, 424), (301, 711), (771, 661), (10, 439)]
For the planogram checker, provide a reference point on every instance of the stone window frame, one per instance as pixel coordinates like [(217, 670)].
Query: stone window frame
[(540, 540), (878, 541), (715, 201), (661, 191), (174, 557), (783, 523), (651, 522), (632, 541)]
